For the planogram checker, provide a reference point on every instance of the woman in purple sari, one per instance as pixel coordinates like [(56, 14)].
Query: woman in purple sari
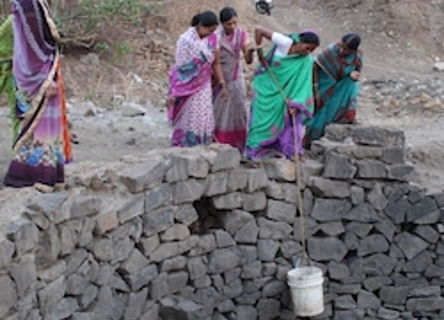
[(42, 146), (231, 115), (190, 108)]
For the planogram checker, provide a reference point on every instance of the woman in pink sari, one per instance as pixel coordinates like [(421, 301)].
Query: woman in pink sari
[(190, 108), (231, 115), (42, 146)]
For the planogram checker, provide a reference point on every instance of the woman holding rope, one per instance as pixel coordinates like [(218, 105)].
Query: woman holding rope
[(282, 91)]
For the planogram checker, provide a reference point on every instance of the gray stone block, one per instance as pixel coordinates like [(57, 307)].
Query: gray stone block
[(134, 263), (356, 314), (196, 268), (198, 166), (24, 234), (338, 131), (178, 308), (75, 285), (379, 265), (373, 244), (257, 179), (387, 228), (248, 233), (158, 197), (188, 191), (361, 229), (216, 184), (48, 247), (422, 209), (245, 312), (168, 250), (84, 316), (268, 309), (367, 152), (310, 227), (177, 281), (427, 233), (177, 168), (88, 296), (64, 309), (159, 287), (186, 214), (142, 278), (330, 209), (9, 295), (226, 306), (333, 228), (48, 204), (256, 201), (232, 275), (158, 220), (83, 206), (290, 248), (173, 264), (362, 213), (51, 295), (397, 210), (267, 249), (233, 221), (368, 300), (400, 172), (326, 249), (274, 288), (226, 158), (142, 176), (251, 270), (377, 198), (228, 201), (338, 288), (248, 253), (338, 271), (419, 263), (371, 169), (425, 304), (7, 249), (176, 232), (221, 260), (410, 245), (273, 229), (345, 302), (329, 188), (281, 170), (338, 167), (237, 179), (351, 241), (394, 155), (381, 137), (103, 250), (275, 190), (281, 211), (135, 305), (375, 283), (357, 195), (207, 243)]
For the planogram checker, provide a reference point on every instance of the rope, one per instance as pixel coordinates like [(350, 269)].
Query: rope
[(297, 165)]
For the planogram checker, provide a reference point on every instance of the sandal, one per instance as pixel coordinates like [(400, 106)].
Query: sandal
[(74, 138)]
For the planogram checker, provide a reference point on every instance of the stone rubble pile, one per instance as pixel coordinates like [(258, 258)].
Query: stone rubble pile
[(195, 234)]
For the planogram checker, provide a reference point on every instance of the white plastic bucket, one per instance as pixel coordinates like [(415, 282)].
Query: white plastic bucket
[(306, 290)]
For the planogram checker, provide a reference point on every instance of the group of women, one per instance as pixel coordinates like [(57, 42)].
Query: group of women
[(295, 95)]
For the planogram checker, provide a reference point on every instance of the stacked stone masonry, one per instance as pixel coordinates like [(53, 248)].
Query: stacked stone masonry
[(195, 234)]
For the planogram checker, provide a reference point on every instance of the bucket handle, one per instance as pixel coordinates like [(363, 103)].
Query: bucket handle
[(297, 261)]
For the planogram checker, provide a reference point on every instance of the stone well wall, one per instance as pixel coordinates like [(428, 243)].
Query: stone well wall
[(194, 234)]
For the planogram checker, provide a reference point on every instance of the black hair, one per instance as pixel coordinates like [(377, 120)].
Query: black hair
[(206, 19), (352, 41), (309, 37), (226, 14)]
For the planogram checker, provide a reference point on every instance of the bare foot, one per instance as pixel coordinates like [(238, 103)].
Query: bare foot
[(43, 188), (59, 187)]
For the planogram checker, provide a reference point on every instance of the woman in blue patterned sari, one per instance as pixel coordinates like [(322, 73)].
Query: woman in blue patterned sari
[(336, 85)]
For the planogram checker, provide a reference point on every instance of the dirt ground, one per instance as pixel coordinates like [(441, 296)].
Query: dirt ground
[(401, 40)]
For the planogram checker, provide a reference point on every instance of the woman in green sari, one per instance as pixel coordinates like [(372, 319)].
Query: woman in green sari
[(337, 70), (282, 91)]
